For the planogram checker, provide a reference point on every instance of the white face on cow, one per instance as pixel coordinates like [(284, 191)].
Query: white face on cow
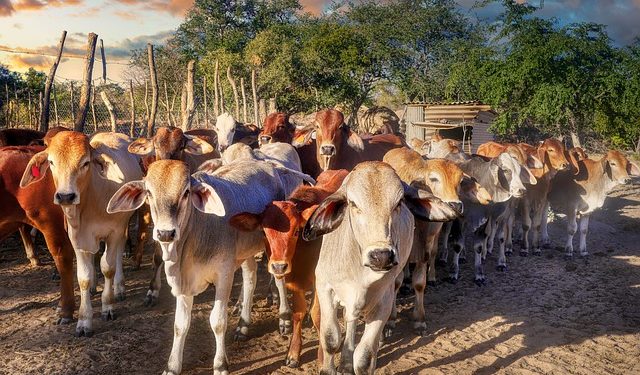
[(513, 173), (226, 129), (376, 205), (170, 191)]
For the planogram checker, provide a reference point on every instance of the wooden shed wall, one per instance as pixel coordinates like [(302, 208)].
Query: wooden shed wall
[(480, 135)]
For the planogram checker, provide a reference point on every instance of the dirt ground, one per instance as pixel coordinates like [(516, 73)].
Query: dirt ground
[(544, 315)]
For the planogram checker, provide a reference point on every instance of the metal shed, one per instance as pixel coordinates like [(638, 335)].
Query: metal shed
[(467, 122)]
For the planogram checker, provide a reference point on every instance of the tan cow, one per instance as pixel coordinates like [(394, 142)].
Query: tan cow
[(581, 193), (86, 173), (447, 182)]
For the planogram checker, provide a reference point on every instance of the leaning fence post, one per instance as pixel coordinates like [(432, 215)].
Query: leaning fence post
[(44, 115), (86, 85), (154, 91), (133, 109)]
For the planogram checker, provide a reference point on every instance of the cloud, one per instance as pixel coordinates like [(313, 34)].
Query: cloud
[(129, 16), (24, 62), (8, 7), (173, 7), (122, 49)]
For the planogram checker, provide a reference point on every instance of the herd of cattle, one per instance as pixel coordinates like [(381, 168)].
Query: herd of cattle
[(218, 197)]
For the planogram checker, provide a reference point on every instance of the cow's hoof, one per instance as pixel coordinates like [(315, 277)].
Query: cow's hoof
[(420, 328), (524, 253), (55, 276), (63, 321), (508, 252), (501, 267), (223, 371), (284, 326), (451, 280), (150, 300), (584, 255), (480, 282), (537, 252), (108, 315), (432, 283), (121, 296), (386, 333), (568, 256), (441, 263), (167, 372), (84, 332), (241, 333), (292, 363)]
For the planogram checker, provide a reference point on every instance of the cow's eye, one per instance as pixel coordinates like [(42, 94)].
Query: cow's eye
[(186, 194), (433, 179), (85, 164), (613, 164), (355, 207)]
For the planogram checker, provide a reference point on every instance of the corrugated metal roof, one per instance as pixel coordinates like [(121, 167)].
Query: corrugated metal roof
[(476, 102)]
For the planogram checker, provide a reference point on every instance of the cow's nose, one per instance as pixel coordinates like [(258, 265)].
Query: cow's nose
[(627, 180), (382, 259), (328, 150), (65, 198), (279, 268), (166, 235), (265, 139), (458, 206)]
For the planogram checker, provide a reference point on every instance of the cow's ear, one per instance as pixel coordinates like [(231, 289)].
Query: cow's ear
[(526, 176), (246, 221), (306, 213), (471, 190), (141, 146), (354, 141), (129, 197), (425, 206), (574, 160), (197, 146), (327, 217), (210, 166), (632, 169), (533, 161), (607, 168), (303, 137), (36, 169), (206, 199)]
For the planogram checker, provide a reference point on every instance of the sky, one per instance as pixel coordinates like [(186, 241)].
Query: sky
[(36, 26)]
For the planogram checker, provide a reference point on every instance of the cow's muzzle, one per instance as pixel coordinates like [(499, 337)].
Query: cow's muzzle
[(65, 198), (279, 269), (166, 235), (264, 139), (328, 150), (381, 259)]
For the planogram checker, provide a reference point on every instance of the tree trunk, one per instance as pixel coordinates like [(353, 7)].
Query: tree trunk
[(85, 94), (204, 96), (256, 118), (44, 115), (109, 106), (154, 91), (29, 110), (216, 102), (236, 99), (73, 112), (104, 63), (189, 110), (146, 100), (262, 109), (166, 99), (575, 139)]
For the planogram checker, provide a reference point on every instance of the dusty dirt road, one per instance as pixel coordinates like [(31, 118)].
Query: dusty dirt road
[(544, 315)]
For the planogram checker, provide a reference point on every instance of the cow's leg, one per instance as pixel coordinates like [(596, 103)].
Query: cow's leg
[(544, 227), (508, 232), (502, 259), (349, 345), (181, 324), (315, 318), (526, 226), (156, 282), (391, 322), (86, 275), (457, 233), (491, 237), (299, 311), (419, 283), (432, 253), (444, 251), (366, 353), (479, 242), (249, 279), (29, 247), (62, 254), (329, 334), (218, 321), (284, 311), (571, 231), (144, 221), (584, 229), (119, 245), (537, 224), (108, 266)]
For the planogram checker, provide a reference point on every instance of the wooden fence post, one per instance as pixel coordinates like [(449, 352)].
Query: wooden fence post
[(236, 100), (216, 107), (73, 111), (133, 109), (189, 110), (44, 115), (112, 115), (262, 106), (93, 109), (146, 100), (86, 85), (29, 109), (104, 63), (166, 99), (154, 91), (7, 116), (55, 104), (204, 96), (244, 101), (256, 118), (272, 106)]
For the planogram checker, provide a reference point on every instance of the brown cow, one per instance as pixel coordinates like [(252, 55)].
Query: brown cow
[(337, 147), (19, 137), (584, 192), (34, 206), (533, 206), (291, 257), (493, 149), (277, 128)]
